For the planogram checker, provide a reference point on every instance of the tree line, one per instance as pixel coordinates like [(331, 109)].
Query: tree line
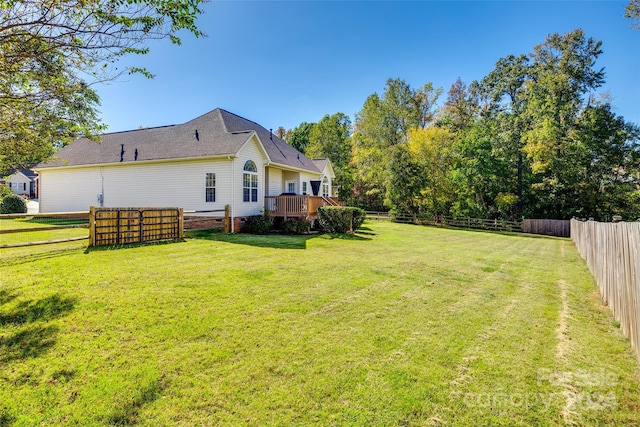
[(530, 139)]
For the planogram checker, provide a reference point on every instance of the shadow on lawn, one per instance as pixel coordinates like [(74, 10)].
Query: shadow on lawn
[(128, 415), (8, 261), (354, 236), (274, 241), (32, 339), (6, 420), (133, 245)]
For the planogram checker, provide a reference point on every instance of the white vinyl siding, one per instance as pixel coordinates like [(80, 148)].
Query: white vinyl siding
[(289, 177), (274, 186), (166, 184), (306, 178), (250, 151), (18, 183)]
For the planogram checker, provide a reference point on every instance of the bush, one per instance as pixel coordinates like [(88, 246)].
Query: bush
[(13, 204), (340, 219), (257, 224), (296, 226)]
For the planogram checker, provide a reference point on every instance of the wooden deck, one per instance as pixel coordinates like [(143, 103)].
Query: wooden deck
[(296, 206)]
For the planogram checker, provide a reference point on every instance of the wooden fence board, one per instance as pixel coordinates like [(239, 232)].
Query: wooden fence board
[(611, 252), (549, 227), (114, 226)]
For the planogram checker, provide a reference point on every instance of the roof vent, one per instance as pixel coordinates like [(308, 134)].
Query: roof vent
[(271, 134), (121, 152), (196, 135), (135, 154)]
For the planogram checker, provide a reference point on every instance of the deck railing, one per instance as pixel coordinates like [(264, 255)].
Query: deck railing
[(293, 206)]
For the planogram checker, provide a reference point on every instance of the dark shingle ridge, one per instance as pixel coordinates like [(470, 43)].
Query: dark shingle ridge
[(137, 130), (239, 117)]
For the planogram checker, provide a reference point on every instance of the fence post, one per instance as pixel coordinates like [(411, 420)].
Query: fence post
[(180, 223), (227, 219), (141, 225), (92, 225)]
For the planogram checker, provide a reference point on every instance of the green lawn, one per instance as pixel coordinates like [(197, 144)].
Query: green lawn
[(39, 236), (405, 325)]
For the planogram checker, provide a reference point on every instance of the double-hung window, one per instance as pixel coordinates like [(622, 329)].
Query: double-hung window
[(210, 187), (250, 182)]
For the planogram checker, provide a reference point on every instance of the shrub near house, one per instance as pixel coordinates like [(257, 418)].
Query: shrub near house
[(340, 219), (13, 204)]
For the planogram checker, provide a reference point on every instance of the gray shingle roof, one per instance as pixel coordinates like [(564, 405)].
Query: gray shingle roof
[(219, 133), (29, 174), (320, 163), (32, 175)]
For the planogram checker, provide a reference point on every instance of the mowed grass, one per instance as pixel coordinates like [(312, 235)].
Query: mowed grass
[(404, 325), (38, 236)]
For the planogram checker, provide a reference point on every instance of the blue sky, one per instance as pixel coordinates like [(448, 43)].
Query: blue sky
[(282, 63)]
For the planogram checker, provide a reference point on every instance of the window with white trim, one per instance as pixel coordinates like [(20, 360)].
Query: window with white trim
[(250, 182), (325, 187), (210, 187), (304, 188)]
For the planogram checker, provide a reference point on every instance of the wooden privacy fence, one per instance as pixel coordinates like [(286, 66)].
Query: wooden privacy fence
[(549, 227), (113, 226), (611, 252)]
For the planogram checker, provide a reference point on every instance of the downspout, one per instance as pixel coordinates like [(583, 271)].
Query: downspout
[(233, 192), (102, 188)]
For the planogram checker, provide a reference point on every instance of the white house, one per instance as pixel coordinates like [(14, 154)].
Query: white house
[(23, 182), (216, 159)]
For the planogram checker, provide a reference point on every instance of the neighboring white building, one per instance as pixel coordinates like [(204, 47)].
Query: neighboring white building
[(23, 182), (216, 159)]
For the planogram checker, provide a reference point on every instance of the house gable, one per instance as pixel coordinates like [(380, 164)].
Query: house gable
[(253, 151)]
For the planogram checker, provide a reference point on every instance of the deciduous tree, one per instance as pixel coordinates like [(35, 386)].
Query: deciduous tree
[(52, 51), (632, 10), (331, 138), (299, 137), (385, 122)]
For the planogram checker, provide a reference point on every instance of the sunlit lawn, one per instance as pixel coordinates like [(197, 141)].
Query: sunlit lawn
[(404, 325), (38, 236)]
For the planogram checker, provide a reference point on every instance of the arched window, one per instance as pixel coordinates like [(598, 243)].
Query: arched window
[(325, 187), (250, 182)]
